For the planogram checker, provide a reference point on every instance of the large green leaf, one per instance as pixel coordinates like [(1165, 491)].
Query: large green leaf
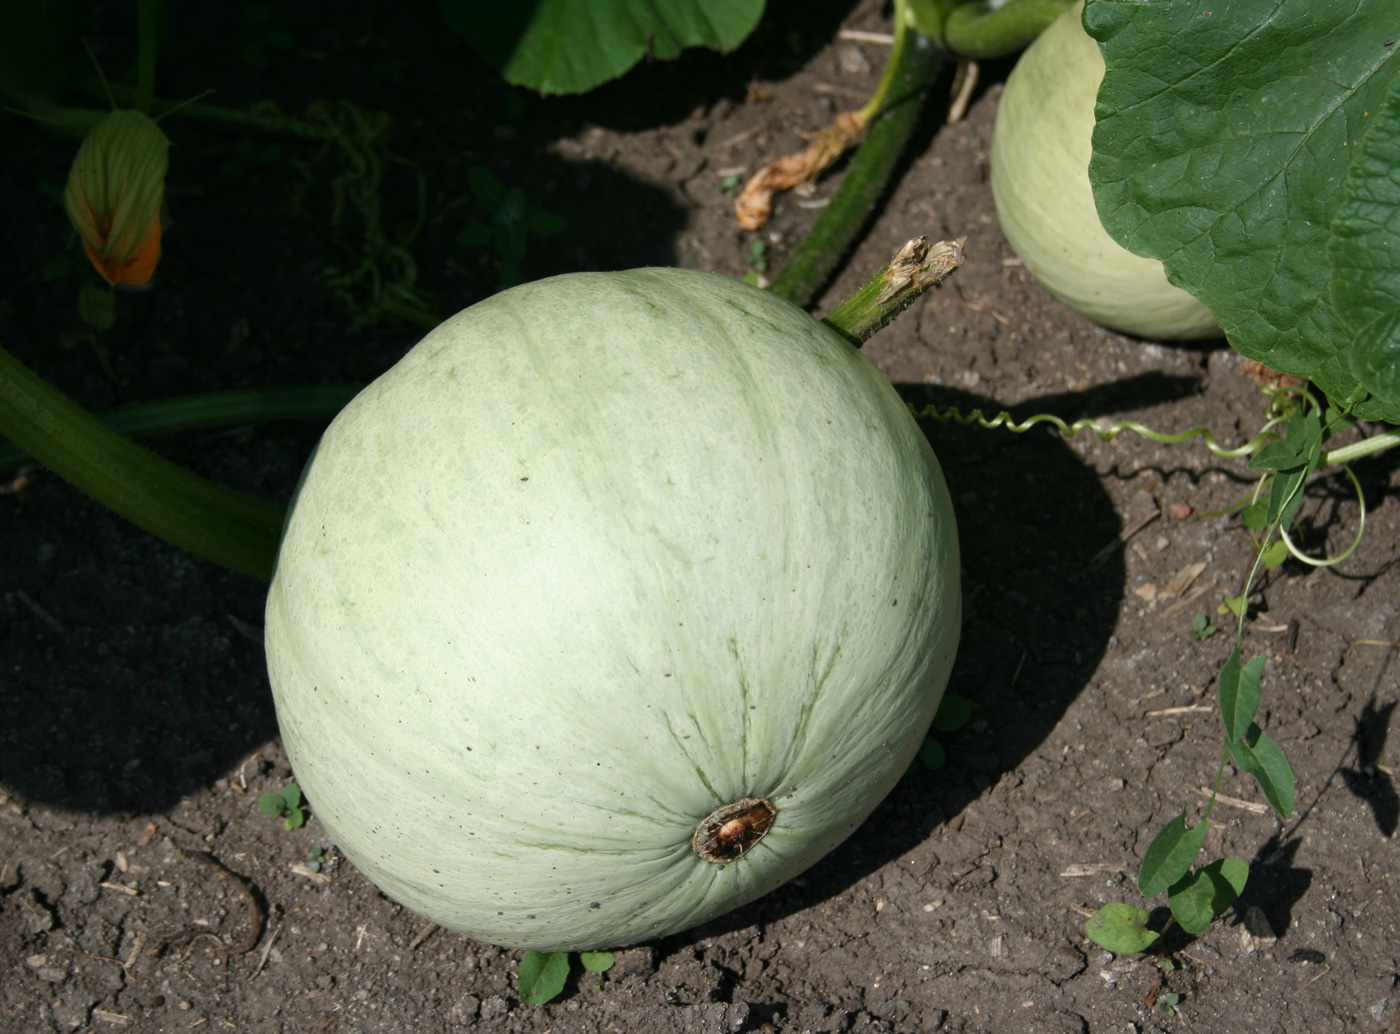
[(1363, 254), (1225, 133), (571, 46)]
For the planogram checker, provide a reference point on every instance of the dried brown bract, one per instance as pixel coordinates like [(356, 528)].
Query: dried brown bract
[(755, 204)]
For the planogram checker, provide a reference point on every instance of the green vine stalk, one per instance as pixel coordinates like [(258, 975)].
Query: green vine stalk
[(914, 65), (231, 528)]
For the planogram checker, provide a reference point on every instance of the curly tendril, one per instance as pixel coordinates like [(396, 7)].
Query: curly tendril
[(952, 414), (1302, 557)]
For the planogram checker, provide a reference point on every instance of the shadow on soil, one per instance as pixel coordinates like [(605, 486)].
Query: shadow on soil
[(92, 606)]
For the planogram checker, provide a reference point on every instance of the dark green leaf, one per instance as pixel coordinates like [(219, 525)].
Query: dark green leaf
[(272, 805), (1238, 692), (571, 46), (296, 818), (541, 976), (1295, 460), (1170, 855), (1375, 356), (1283, 455), (1229, 876), (541, 223), (475, 234), (1120, 928), (596, 961), (1363, 255), (932, 754), (953, 713), (1259, 756), (485, 187), (1198, 897), (1223, 139), (1254, 515), (292, 795), (1285, 495), (512, 207), (1190, 901)]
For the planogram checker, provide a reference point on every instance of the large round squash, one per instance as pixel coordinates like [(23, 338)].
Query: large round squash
[(620, 600), (1041, 146)]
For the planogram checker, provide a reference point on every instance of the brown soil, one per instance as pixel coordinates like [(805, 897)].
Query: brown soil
[(138, 728)]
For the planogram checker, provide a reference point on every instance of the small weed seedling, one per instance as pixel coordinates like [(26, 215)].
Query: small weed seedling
[(757, 256), (542, 974), (316, 858), (509, 224), (953, 713), (1201, 628), (287, 806)]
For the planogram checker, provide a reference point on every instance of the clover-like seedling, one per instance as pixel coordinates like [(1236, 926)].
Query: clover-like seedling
[(316, 858), (542, 974), (1201, 628), (953, 713), (286, 806)]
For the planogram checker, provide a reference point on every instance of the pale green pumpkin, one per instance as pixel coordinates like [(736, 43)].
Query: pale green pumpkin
[(1041, 146), (601, 555)]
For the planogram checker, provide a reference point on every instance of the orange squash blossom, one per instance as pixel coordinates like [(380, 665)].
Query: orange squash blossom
[(115, 193)]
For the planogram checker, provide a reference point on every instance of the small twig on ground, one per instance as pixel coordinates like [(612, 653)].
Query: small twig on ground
[(1235, 802), (422, 936)]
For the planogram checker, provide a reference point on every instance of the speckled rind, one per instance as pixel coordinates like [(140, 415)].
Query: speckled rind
[(601, 554)]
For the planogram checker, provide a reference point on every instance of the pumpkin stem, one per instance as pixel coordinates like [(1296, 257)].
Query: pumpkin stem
[(914, 269)]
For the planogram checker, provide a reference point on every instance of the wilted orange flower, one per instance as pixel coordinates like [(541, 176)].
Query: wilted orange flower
[(114, 196)]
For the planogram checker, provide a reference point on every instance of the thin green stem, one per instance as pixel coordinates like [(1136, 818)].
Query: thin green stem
[(1302, 557), (891, 77), (233, 529), (148, 13), (262, 118), (914, 64)]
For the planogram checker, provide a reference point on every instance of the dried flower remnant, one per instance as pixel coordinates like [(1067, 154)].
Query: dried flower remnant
[(727, 833), (755, 204), (115, 193)]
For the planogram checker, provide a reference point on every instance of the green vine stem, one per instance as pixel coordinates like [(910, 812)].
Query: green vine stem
[(231, 528), (148, 13), (1366, 447), (915, 63), (213, 410), (981, 31)]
